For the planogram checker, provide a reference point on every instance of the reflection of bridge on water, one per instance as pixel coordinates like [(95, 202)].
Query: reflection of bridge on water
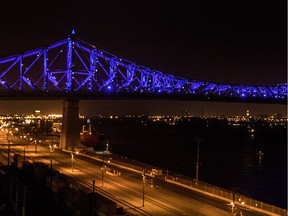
[(72, 69)]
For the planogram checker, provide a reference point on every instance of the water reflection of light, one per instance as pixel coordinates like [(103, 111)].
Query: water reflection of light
[(260, 157)]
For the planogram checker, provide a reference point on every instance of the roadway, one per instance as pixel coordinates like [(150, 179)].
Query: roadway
[(127, 189)]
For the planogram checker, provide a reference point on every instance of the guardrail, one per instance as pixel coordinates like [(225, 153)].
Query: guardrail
[(227, 195), (201, 187)]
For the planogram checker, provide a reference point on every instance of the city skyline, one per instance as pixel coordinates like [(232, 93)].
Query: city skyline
[(147, 107)]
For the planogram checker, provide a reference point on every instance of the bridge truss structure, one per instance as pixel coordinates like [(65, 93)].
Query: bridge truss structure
[(74, 68)]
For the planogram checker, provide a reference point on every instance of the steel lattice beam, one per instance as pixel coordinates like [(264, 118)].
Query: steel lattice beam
[(72, 67)]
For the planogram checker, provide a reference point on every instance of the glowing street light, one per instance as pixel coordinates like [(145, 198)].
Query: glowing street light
[(30, 139)]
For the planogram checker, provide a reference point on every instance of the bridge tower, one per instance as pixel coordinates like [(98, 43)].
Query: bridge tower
[(70, 136)]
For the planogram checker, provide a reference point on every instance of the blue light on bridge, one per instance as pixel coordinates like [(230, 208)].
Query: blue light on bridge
[(73, 65)]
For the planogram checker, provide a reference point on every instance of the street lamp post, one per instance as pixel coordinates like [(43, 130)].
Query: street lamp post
[(197, 160), (35, 146), (103, 165), (24, 137), (8, 132), (107, 147), (72, 162), (72, 157), (103, 162), (8, 140), (24, 155), (144, 180), (51, 150), (197, 163), (8, 152), (30, 139)]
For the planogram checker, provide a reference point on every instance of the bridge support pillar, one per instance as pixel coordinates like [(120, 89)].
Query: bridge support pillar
[(70, 136)]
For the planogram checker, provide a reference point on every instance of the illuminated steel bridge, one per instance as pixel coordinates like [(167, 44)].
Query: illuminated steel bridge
[(74, 68)]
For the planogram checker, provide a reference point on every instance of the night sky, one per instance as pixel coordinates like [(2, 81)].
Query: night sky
[(235, 42)]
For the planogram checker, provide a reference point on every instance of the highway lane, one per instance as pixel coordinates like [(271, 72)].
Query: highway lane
[(123, 188), (131, 190), (127, 189)]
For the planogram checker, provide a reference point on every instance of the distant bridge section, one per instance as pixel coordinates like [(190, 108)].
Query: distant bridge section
[(74, 68)]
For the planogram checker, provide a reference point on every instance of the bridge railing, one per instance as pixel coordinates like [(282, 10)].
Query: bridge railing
[(202, 187), (227, 195)]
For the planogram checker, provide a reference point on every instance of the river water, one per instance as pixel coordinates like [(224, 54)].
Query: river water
[(227, 154)]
